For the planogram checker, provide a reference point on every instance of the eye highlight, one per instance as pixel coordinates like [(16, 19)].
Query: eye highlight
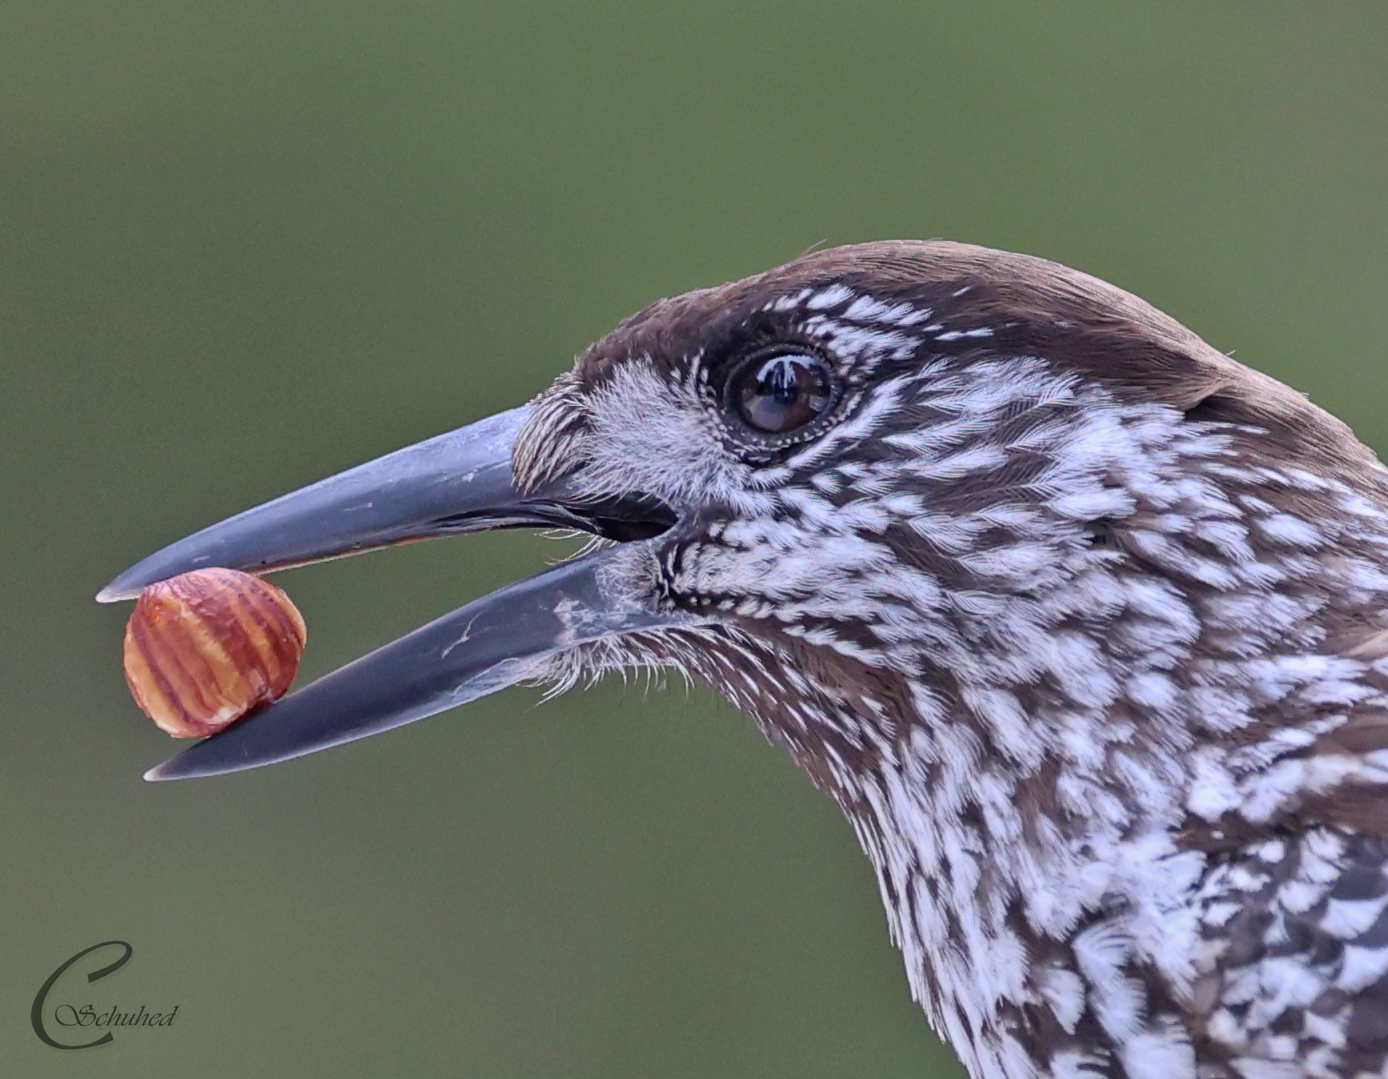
[(780, 393)]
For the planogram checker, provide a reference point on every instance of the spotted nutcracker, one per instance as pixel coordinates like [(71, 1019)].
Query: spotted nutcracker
[(1080, 622)]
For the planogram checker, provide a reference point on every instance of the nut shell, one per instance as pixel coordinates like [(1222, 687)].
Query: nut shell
[(205, 648)]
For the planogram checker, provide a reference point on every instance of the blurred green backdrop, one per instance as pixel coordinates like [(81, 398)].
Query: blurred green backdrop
[(244, 245)]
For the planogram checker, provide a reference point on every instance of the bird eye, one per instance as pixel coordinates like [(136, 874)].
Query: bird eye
[(782, 393)]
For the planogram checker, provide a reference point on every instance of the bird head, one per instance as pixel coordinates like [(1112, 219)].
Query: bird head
[(862, 494)]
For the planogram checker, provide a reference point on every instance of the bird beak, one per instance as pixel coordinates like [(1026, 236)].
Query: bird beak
[(457, 482)]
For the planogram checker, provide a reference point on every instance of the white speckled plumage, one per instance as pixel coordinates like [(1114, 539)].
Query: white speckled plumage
[(1081, 624)]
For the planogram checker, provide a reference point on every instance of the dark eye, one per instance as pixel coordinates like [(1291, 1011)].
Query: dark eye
[(782, 393)]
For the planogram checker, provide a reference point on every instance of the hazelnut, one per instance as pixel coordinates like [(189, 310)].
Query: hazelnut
[(205, 648)]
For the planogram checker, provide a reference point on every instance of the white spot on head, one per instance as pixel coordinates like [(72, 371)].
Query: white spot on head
[(1289, 529), (832, 296)]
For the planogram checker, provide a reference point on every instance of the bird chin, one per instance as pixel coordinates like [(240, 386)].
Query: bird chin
[(455, 483)]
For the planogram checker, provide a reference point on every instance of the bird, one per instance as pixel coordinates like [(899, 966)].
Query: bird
[(1081, 623)]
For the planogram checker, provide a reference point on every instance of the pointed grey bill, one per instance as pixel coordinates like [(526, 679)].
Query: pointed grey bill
[(483, 647), (455, 482)]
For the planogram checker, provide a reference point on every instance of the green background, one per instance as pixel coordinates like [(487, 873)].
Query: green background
[(245, 245)]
